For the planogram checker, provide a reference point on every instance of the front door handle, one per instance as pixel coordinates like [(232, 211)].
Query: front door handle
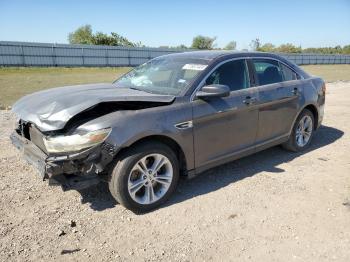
[(295, 91), (249, 100)]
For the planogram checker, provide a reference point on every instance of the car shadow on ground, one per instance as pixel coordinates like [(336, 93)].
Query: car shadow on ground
[(218, 177)]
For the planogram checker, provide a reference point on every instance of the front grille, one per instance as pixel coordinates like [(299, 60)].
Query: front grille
[(28, 131), (37, 137)]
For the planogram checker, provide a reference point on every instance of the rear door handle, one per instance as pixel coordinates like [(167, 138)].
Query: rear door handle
[(249, 100)]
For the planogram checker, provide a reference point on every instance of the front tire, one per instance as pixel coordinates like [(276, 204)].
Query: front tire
[(145, 176), (302, 132)]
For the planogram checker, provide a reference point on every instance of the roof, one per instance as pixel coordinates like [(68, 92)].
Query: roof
[(213, 54), (210, 55)]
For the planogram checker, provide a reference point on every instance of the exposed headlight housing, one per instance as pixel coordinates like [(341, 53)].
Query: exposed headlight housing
[(75, 142)]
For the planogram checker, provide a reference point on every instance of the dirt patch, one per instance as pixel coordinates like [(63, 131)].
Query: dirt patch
[(272, 206)]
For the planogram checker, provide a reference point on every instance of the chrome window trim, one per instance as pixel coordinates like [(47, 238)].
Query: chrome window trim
[(271, 58), (279, 61), (240, 58)]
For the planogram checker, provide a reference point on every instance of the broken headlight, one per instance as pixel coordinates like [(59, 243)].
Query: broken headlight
[(75, 142)]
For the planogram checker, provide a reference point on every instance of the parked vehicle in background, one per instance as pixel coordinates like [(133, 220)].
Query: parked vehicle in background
[(178, 114)]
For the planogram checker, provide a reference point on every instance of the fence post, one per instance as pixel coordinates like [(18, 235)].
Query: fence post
[(129, 58), (53, 54), (22, 55), (82, 55), (106, 54)]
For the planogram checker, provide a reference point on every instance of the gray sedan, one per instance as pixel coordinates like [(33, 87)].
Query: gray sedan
[(178, 114)]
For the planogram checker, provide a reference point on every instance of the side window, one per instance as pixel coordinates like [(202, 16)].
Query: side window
[(234, 74), (268, 71), (288, 74)]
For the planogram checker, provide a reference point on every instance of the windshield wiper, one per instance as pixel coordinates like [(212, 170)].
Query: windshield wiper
[(134, 88)]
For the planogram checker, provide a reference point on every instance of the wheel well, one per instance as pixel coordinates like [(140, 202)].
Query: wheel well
[(314, 111), (170, 143)]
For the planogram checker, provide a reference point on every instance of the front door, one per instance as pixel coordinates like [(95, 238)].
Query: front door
[(224, 127)]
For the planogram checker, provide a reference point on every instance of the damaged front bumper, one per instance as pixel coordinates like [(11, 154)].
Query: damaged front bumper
[(74, 171)]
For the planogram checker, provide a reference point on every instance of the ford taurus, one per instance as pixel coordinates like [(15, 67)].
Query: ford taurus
[(177, 114)]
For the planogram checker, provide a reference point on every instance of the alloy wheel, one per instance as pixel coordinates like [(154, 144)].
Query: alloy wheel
[(150, 179), (304, 131)]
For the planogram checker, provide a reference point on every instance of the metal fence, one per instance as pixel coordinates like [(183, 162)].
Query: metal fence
[(43, 54)]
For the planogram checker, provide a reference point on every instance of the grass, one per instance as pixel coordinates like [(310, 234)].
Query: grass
[(330, 73), (17, 82)]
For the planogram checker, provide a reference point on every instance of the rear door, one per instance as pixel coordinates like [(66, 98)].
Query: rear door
[(225, 126), (278, 98)]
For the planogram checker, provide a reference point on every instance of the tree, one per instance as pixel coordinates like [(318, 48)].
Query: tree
[(328, 50), (289, 48), (346, 49), (123, 41), (268, 47), (83, 35), (255, 44), (103, 39), (182, 46), (203, 42), (231, 45)]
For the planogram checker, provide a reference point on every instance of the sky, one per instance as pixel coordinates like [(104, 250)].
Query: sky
[(309, 23)]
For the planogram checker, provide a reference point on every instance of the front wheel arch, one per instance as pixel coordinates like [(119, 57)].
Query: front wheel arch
[(164, 140), (120, 174)]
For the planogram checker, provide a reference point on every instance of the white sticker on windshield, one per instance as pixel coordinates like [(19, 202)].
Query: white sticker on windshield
[(197, 67)]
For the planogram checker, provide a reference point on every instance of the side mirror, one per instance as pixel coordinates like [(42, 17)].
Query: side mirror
[(213, 91)]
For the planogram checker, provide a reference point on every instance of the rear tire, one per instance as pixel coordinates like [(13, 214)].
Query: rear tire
[(138, 183), (302, 132)]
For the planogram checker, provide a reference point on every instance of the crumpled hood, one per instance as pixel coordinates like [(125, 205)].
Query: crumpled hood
[(51, 109)]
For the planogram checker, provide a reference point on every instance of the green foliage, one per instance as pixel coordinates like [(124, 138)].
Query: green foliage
[(329, 50), (84, 35), (346, 49), (203, 42), (268, 47), (103, 39), (231, 45), (290, 48), (114, 40)]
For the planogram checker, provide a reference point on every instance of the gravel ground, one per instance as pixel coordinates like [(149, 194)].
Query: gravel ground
[(272, 206)]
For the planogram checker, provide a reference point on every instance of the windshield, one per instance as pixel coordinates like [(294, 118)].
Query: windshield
[(165, 75)]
